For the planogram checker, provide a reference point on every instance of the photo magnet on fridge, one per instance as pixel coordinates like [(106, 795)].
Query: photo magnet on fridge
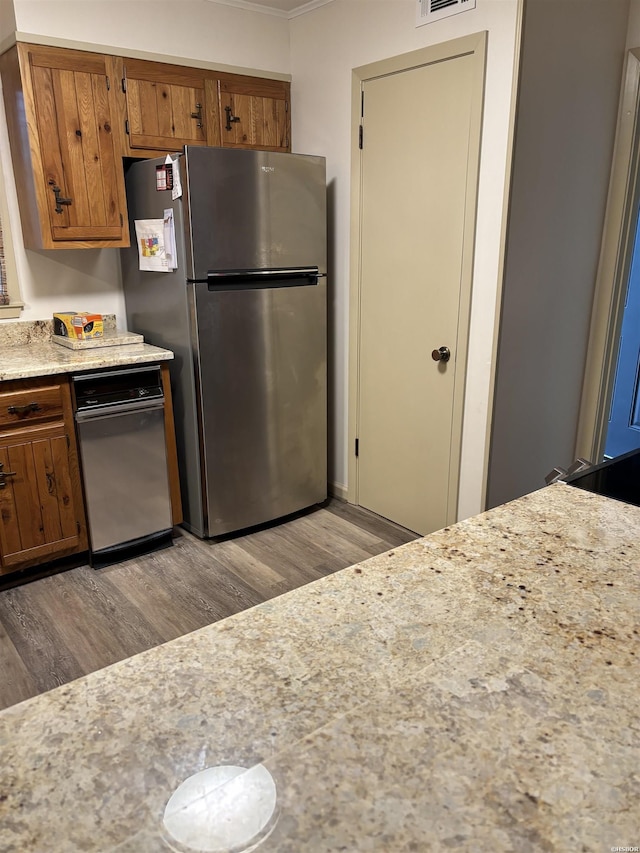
[(164, 177)]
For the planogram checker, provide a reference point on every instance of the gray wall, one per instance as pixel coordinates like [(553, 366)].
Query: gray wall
[(571, 71)]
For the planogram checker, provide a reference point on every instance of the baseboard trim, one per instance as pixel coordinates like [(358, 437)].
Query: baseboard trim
[(338, 490)]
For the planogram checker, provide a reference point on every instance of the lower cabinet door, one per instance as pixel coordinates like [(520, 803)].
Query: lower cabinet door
[(39, 518)]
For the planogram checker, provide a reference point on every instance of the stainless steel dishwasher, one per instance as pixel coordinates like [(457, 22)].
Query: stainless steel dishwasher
[(120, 424)]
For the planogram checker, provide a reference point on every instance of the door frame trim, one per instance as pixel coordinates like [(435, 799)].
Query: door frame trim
[(613, 269), (476, 46)]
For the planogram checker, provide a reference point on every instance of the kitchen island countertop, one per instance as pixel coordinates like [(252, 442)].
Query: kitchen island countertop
[(26, 351), (476, 689)]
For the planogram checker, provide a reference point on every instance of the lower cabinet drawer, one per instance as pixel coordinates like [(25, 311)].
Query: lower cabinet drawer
[(22, 406)]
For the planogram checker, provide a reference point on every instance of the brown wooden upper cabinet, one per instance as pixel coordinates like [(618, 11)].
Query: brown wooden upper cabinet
[(73, 115), (167, 107), (254, 113), (66, 157)]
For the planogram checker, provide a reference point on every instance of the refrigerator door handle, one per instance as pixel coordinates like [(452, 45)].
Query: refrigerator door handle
[(254, 279)]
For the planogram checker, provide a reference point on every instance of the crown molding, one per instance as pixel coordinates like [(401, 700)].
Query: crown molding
[(113, 50), (272, 10)]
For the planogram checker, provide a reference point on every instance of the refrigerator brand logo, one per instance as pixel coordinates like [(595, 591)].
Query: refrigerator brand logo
[(268, 168)]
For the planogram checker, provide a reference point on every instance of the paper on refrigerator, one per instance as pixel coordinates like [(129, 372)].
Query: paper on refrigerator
[(170, 240), (176, 187), (168, 176), (152, 246)]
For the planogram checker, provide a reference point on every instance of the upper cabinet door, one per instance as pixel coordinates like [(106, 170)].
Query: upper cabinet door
[(166, 106), (83, 182), (74, 123), (68, 173), (254, 113)]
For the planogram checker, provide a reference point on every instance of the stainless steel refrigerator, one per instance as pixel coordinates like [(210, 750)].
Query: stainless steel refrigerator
[(245, 315)]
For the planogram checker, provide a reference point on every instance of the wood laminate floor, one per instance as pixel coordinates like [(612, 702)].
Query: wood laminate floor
[(59, 627)]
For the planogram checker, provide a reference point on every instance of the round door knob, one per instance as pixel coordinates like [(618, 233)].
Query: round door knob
[(442, 354)]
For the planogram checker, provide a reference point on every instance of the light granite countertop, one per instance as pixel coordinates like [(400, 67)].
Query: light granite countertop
[(474, 690), (27, 351)]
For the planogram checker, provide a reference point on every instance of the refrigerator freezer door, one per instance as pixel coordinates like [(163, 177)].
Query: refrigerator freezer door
[(254, 210), (262, 372)]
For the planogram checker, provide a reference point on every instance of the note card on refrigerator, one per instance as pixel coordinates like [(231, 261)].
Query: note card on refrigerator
[(151, 245), (170, 240)]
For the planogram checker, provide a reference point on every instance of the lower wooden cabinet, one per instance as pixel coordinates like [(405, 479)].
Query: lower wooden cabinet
[(40, 518), (172, 447), (41, 508)]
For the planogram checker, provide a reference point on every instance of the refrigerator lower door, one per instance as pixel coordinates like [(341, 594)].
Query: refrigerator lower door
[(261, 366)]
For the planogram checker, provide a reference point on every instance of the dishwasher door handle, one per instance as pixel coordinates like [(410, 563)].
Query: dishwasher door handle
[(118, 409)]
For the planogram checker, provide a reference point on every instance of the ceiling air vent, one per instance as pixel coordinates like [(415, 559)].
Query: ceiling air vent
[(433, 10)]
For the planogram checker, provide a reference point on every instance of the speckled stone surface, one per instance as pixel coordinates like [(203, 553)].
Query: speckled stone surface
[(26, 351), (473, 690), (108, 339)]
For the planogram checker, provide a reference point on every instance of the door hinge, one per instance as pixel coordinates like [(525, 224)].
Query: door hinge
[(108, 84), (362, 104), (121, 221), (123, 83), (360, 135), (126, 126), (78, 526), (68, 441), (357, 446), (286, 106)]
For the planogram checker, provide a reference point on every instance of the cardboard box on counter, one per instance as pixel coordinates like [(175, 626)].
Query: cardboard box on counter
[(79, 325)]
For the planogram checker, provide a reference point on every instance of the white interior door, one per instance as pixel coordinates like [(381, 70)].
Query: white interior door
[(418, 176)]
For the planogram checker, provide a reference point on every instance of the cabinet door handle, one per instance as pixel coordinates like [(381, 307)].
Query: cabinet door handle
[(21, 411), (230, 117), (4, 474), (59, 199), (198, 114)]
